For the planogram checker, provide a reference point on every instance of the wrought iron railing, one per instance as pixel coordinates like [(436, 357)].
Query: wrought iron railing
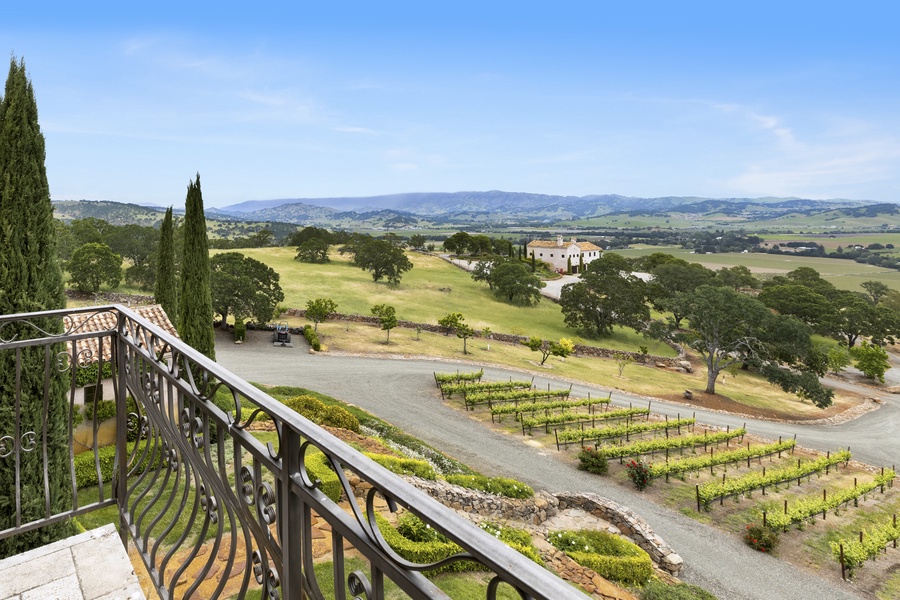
[(204, 501)]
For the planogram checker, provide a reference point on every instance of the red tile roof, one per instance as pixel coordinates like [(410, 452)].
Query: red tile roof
[(105, 320)]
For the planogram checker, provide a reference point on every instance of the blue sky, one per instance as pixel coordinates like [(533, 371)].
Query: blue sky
[(715, 99)]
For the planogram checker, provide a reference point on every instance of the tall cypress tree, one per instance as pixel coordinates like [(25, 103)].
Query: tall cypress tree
[(166, 291), (30, 280), (195, 318)]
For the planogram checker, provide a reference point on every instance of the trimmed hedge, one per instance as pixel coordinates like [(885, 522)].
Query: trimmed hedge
[(86, 471), (321, 414), (404, 466), (425, 552), (499, 486), (318, 467), (312, 338), (416, 541), (517, 539), (610, 556)]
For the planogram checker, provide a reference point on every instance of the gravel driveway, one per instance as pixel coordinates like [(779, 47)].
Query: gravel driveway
[(403, 393)]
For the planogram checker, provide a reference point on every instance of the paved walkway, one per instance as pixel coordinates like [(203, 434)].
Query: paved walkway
[(403, 393), (89, 566)]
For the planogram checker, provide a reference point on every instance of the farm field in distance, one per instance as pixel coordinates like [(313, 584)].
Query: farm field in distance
[(844, 274)]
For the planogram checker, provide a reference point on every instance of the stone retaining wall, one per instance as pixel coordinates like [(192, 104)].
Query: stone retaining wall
[(535, 511), (580, 349), (482, 505), (630, 524)]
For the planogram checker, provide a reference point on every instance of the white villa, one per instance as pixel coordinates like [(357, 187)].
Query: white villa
[(559, 253)]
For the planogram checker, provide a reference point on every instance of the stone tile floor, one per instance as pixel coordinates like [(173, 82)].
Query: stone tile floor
[(90, 566)]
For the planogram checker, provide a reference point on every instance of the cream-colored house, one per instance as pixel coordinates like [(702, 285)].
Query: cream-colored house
[(560, 254)]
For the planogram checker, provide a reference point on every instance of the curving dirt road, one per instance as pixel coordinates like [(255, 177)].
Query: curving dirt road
[(403, 393)]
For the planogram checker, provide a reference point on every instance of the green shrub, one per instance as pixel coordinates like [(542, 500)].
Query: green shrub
[(321, 414), (413, 528), (319, 468), (309, 407), (86, 470), (593, 462), (312, 338), (335, 416), (106, 409), (761, 538), (240, 330), (500, 486), (77, 416), (517, 539), (610, 556), (425, 552), (415, 540), (658, 590), (404, 466), (639, 473)]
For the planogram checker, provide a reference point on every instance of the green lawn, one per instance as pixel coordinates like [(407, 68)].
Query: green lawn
[(432, 289)]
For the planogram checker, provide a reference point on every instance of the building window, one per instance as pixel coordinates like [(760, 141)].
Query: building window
[(551, 256)]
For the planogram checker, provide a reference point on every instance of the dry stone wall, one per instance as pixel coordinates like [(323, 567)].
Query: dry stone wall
[(481, 505), (484, 506), (580, 349), (629, 523)]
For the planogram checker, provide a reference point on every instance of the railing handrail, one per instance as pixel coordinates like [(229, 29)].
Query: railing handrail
[(140, 336)]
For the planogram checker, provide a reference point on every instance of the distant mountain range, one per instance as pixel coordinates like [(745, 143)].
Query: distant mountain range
[(512, 204), (494, 208)]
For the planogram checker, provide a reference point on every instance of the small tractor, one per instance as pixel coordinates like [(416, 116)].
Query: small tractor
[(282, 336)]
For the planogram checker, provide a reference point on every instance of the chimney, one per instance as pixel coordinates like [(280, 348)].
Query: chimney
[(559, 241)]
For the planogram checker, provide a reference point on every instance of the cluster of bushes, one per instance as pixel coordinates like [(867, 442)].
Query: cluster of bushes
[(500, 486), (322, 414), (612, 557), (312, 338)]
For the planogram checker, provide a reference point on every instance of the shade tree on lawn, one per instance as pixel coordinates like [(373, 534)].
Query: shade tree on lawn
[(244, 287), (383, 260), (514, 282), (313, 250), (728, 328), (607, 295)]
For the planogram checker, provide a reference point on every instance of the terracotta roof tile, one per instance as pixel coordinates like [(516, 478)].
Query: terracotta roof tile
[(583, 246), (89, 349)]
